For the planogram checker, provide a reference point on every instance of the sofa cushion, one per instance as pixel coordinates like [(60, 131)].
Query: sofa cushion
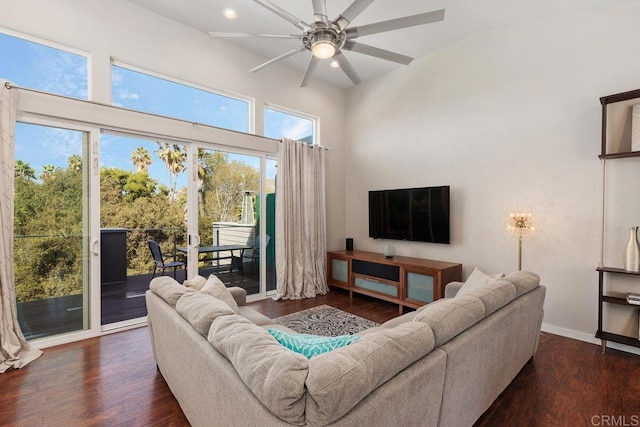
[(238, 294), (451, 316), (196, 283), (477, 278), (494, 294), (274, 374), (340, 379), (217, 289), (407, 317), (168, 289), (524, 281), (254, 316), (201, 309), (311, 345)]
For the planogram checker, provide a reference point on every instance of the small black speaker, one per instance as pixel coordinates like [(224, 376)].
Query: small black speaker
[(349, 244)]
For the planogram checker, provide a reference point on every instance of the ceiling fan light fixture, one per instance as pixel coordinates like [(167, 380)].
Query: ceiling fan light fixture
[(323, 49)]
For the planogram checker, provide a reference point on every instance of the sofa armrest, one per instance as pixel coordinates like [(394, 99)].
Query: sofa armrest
[(452, 288), (238, 294)]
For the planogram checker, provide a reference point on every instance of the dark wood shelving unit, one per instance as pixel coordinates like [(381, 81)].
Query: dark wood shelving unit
[(622, 151), (617, 300), (622, 339), (618, 270), (620, 155)]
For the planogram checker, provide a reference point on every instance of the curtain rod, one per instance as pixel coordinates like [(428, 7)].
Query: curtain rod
[(309, 145), (8, 85)]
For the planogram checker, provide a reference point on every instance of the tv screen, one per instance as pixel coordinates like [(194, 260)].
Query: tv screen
[(417, 214)]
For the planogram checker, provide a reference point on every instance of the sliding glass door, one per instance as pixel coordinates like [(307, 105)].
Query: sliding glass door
[(143, 202), (51, 249), (228, 215), (85, 214)]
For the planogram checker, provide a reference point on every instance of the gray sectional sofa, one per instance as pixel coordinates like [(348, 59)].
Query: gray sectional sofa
[(442, 365)]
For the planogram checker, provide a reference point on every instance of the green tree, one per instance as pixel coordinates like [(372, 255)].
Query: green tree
[(48, 235), (173, 157), (141, 159), (75, 163), (224, 187), (24, 170), (48, 171)]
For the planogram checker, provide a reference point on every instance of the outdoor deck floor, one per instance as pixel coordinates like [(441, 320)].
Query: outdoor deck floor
[(119, 302)]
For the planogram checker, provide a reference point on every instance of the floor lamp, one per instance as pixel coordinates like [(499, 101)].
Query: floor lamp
[(520, 223)]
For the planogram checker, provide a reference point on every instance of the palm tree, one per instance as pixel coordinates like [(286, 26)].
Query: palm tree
[(47, 171), (75, 163), (141, 159), (204, 169), (24, 170), (173, 157)]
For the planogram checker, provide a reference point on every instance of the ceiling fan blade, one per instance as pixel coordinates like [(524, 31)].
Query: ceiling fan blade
[(284, 14), (395, 24), (351, 12), (278, 58), (320, 11), (377, 52), (310, 68), (347, 68), (241, 35)]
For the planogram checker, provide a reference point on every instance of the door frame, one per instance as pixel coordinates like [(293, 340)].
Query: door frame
[(91, 230)]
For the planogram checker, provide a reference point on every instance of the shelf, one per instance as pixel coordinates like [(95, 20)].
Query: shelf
[(618, 300), (620, 155), (617, 270), (622, 339)]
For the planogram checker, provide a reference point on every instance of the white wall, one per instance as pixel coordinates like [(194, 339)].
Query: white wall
[(510, 119), (125, 32)]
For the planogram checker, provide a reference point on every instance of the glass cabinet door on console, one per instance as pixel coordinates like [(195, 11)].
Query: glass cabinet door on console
[(420, 287), (339, 271)]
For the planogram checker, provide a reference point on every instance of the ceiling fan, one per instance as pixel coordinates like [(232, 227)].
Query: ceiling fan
[(327, 39)]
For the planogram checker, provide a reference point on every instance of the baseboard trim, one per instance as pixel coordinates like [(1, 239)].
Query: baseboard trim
[(582, 336)]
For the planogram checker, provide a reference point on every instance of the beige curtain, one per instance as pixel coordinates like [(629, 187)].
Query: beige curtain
[(15, 352), (301, 246)]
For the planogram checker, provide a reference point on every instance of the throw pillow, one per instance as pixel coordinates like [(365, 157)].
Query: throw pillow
[(217, 289), (196, 283), (311, 345), (475, 279)]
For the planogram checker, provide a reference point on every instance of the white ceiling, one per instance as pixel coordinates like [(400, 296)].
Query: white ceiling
[(463, 18)]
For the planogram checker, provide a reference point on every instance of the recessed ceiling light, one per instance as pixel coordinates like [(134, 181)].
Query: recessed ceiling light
[(334, 64), (230, 14)]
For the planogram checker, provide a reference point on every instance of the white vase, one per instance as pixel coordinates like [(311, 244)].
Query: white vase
[(632, 251), (388, 251)]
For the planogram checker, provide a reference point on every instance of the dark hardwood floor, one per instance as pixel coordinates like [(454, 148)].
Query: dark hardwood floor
[(113, 381)]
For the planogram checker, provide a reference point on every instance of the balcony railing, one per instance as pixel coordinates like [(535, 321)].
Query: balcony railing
[(50, 276)]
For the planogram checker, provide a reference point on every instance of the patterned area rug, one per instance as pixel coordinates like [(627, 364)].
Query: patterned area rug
[(325, 320)]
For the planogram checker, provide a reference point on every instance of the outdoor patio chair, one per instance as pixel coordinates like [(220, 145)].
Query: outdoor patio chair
[(255, 251), (159, 261)]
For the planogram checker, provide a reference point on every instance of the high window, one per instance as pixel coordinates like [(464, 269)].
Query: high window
[(151, 94), (280, 124), (37, 66)]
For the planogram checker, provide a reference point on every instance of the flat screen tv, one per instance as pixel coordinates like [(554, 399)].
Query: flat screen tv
[(416, 214)]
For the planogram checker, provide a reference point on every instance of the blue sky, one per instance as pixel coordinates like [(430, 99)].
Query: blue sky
[(44, 68)]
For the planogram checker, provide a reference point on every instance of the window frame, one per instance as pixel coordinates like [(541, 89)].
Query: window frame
[(65, 48), (315, 120), (239, 97)]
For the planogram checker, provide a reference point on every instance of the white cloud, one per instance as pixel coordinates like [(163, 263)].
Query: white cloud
[(125, 94), (296, 128)]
